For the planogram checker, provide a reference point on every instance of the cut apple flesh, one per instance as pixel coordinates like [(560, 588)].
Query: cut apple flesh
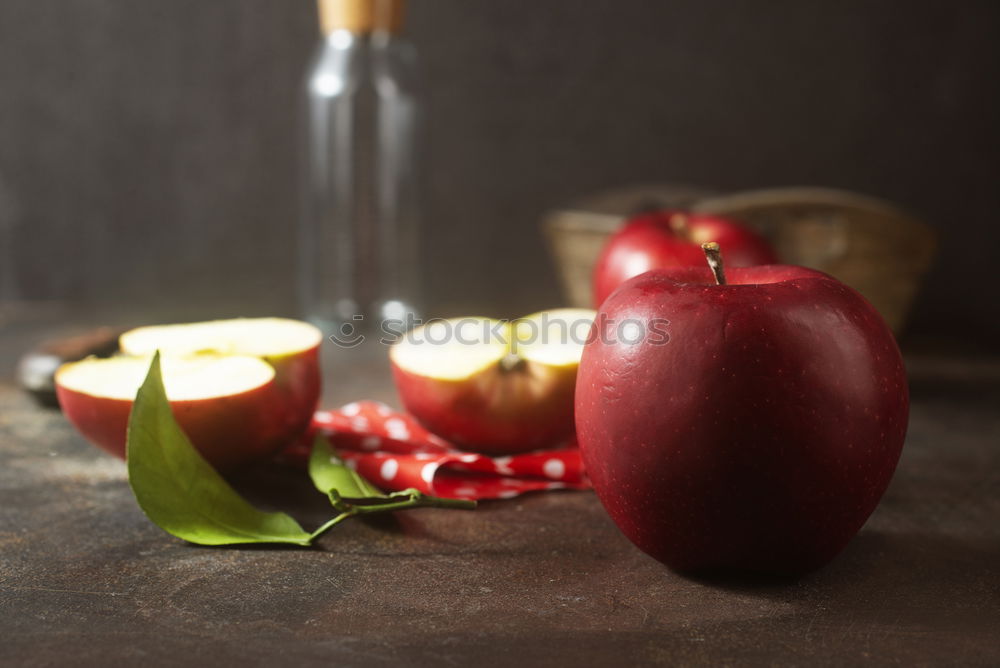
[(554, 337), (461, 348), (259, 337), (492, 386), (452, 349), (185, 379)]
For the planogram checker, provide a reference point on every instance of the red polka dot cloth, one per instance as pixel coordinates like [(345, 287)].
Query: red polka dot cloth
[(395, 452)]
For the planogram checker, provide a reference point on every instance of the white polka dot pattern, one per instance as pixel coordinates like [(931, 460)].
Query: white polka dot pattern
[(395, 452), (554, 468), (389, 469)]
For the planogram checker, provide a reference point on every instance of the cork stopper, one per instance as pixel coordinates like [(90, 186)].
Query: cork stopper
[(361, 16)]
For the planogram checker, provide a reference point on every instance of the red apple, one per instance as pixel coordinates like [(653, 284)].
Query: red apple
[(666, 239), (230, 407), (760, 436), (290, 346), (491, 386)]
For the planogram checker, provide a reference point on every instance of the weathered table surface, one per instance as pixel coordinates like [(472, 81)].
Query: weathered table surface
[(85, 579)]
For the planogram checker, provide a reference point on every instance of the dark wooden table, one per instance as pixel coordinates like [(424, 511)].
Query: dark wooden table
[(85, 579)]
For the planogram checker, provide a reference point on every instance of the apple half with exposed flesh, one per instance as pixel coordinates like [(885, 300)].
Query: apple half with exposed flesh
[(492, 386), (290, 346), (228, 406)]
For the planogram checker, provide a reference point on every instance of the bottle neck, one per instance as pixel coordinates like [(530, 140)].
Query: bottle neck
[(360, 17), (342, 38)]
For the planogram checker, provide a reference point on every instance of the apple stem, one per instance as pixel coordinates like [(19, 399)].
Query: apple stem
[(679, 225), (714, 256)]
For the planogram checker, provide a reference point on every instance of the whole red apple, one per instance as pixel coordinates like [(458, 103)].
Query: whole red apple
[(665, 239), (760, 436)]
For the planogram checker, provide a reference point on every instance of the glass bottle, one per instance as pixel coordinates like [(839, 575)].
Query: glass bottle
[(359, 243)]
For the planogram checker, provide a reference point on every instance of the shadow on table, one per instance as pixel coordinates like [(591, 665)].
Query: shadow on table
[(977, 384), (273, 487), (922, 578)]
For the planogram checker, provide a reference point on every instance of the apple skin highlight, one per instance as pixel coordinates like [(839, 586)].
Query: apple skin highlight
[(761, 436)]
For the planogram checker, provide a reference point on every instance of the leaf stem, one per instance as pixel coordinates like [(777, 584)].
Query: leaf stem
[(416, 500), (329, 525), (408, 498)]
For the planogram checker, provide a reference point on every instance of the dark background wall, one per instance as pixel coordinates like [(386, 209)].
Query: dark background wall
[(148, 147)]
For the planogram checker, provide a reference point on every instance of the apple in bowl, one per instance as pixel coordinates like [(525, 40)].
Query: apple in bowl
[(760, 435), (666, 239), (492, 386), (241, 389)]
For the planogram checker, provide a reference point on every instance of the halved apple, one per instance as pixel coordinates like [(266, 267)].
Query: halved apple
[(290, 346), (228, 406), (492, 386)]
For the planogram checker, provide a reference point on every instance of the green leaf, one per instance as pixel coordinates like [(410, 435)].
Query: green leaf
[(329, 474), (180, 492), (352, 495)]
